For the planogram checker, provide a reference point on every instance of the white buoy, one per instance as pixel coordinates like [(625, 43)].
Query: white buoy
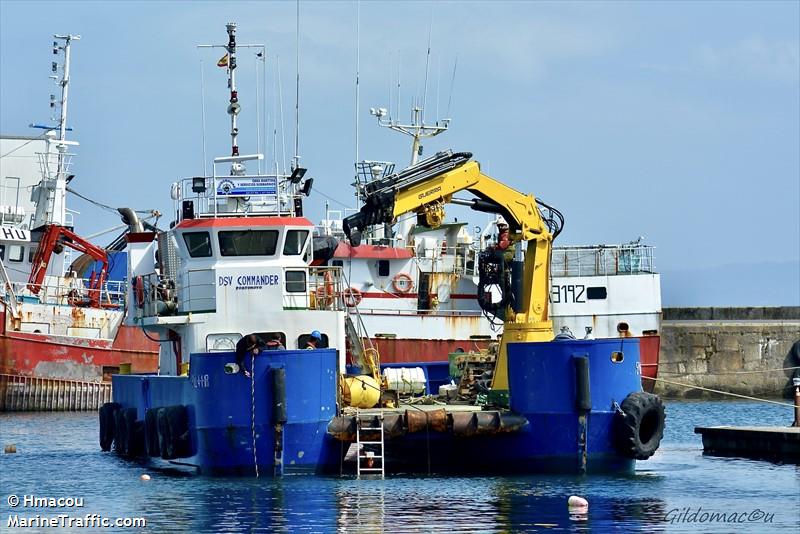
[(145, 477), (577, 503)]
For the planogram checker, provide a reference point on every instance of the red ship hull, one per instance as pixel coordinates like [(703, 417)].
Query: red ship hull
[(74, 358)]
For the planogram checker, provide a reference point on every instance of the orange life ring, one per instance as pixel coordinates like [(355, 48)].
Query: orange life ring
[(325, 292), (402, 283), (138, 285), (352, 297)]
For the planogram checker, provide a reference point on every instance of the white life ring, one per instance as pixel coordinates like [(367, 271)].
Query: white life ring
[(402, 283)]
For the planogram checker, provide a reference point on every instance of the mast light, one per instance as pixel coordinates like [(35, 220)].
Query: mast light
[(297, 175)]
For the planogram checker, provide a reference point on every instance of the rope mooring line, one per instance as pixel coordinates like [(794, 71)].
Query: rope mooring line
[(751, 372), (701, 388), (253, 407)]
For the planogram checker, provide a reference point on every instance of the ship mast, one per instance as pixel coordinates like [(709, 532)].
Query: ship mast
[(418, 130), (233, 106), (229, 61), (51, 191)]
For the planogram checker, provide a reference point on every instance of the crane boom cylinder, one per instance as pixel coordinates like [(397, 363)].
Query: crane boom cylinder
[(517, 276)]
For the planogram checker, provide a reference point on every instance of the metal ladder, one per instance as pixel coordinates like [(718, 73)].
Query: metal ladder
[(363, 457)]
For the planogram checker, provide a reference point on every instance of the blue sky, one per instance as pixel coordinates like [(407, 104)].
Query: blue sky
[(677, 121)]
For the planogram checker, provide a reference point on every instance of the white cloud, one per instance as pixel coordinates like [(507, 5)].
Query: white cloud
[(753, 57)]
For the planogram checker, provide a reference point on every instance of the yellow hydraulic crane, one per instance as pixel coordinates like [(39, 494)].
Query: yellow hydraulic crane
[(425, 188)]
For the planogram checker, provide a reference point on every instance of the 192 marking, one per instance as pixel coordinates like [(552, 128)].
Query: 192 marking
[(571, 293)]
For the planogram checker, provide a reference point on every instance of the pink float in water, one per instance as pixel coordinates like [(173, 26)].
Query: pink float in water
[(577, 503)]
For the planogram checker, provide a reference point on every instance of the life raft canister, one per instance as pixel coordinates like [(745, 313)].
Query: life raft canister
[(640, 426)]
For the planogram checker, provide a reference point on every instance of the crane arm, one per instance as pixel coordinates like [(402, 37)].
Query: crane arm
[(424, 189), (56, 236)]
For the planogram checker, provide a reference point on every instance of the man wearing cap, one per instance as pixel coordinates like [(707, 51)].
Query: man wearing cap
[(313, 340)]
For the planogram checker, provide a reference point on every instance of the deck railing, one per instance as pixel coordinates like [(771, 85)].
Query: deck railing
[(603, 260), (70, 291)]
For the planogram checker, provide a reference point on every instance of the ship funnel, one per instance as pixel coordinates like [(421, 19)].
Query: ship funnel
[(130, 218)]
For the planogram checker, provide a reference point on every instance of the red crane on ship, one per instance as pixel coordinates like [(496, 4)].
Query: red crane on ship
[(54, 239)]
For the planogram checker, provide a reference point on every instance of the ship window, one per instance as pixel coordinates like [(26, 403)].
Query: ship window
[(383, 267), (596, 293), (16, 253), (270, 339), (248, 242), (198, 244), (296, 281), (295, 241), (222, 342), (109, 370), (31, 254), (302, 341), (2, 252), (337, 263)]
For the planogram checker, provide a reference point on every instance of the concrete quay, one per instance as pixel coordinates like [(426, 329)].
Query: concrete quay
[(729, 349)]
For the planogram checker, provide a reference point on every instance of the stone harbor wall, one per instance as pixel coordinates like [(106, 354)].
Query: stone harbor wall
[(729, 349)]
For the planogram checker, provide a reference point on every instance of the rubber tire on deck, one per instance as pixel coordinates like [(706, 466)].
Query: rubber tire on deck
[(641, 426), (151, 432), (107, 425), (173, 432)]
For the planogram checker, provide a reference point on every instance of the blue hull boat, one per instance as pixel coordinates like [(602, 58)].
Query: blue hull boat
[(566, 416)]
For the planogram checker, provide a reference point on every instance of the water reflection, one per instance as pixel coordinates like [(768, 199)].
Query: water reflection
[(58, 456)]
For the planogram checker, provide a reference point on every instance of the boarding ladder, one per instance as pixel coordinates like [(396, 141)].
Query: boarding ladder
[(369, 462)]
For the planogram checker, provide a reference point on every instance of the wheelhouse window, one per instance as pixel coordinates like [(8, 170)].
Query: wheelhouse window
[(2, 252), (198, 244), (16, 253), (295, 281), (295, 240), (248, 242)]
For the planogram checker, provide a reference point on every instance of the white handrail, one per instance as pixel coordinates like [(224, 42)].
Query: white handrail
[(13, 305)]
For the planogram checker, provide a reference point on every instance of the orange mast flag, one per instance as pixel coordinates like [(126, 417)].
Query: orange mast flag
[(223, 61)]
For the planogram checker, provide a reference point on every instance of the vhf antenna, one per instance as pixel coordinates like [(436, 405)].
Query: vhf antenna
[(229, 61)]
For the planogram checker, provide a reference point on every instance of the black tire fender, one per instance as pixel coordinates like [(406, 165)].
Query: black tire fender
[(120, 432), (640, 426), (173, 432), (107, 425), (129, 433), (152, 445)]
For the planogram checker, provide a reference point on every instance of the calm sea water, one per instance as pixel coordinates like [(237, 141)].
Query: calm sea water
[(58, 456)]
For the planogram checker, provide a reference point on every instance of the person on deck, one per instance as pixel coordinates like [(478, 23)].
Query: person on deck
[(274, 342), (313, 340), (250, 344)]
